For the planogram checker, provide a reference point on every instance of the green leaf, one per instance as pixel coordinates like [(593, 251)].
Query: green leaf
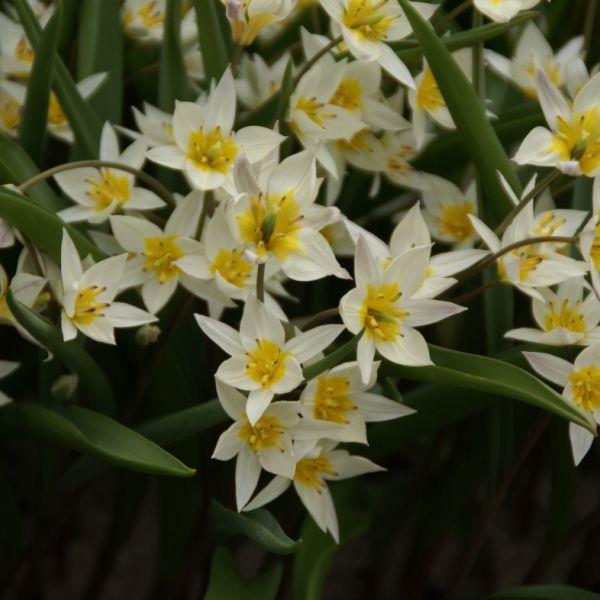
[(75, 357), (258, 525), (84, 121), (91, 433), (212, 38), (32, 134), (468, 113), (545, 592), (491, 375), (226, 583), (100, 50), (17, 167), (172, 78), (41, 226)]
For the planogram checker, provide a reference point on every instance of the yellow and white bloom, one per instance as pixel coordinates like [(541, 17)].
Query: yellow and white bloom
[(382, 307), (565, 317), (16, 53), (339, 396), (399, 150), (427, 100), (102, 192), (87, 297), (12, 97), (256, 81), (144, 20), (7, 367), (276, 219), (572, 142), (367, 26), (25, 287), (262, 362), (206, 148), (534, 52), (503, 10), (248, 17), (581, 385), (317, 464)]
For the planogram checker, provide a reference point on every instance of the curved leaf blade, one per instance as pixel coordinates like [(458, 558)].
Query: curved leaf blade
[(70, 353), (215, 54)]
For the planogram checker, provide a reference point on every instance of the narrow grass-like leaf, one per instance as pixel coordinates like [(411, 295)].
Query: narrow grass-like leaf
[(468, 113), (84, 121), (226, 583), (41, 226), (212, 39), (497, 377), (100, 50), (75, 357), (16, 167), (91, 433), (258, 525), (544, 592), (32, 134)]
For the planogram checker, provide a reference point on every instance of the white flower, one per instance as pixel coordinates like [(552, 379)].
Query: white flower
[(16, 53), (572, 144), (155, 126), (503, 10), (317, 464), (564, 317), (533, 51), (383, 308), (144, 20), (206, 147), (102, 192), (12, 97), (427, 99), (589, 241), (276, 219), (262, 362), (87, 297), (581, 385), (399, 150), (367, 25), (256, 81), (339, 396), (248, 17), (165, 258), (6, 368)]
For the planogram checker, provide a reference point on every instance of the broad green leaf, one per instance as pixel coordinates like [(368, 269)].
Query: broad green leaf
[(100, 50), (32, 134), (544, 592), (226, 583), (84, 121), (41, 226), (16, 167), (258, 525), (91, 433), (212, 38), (75, 357), (172, 78), (468, 112), (491, 375)]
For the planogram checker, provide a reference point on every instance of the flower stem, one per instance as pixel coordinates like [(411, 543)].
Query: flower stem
[(322, 52), (536, 191), (156, 185), (463, 298), (324, 315), (260, 282)]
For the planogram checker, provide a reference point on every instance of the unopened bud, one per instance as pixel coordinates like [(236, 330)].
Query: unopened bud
[(147, 334), (64, 387)]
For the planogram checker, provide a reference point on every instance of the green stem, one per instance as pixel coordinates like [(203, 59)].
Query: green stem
[(260, 282), (322, 52)]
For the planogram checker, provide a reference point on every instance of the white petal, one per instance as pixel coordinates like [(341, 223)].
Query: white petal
[(581, 441), (306, 345), (550, 367), (225, 336), (274, 489), (247, 472)]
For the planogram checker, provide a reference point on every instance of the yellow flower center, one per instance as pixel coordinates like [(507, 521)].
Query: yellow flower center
[(264, 434), (454, 221), (429, 96), (348, 95), (309, 471), (529, 262), (595, 251), (331, 402), (210, 151), (266, 363), (232, 266), (10, 112), (5, 314), (151, 15), (565, 316), (87, 306), (586, 387), (272, 224), (551, 68), (56, 115), (379, 314), (548, 225), (108, 188), (365, 20), (360, 142), (161, 253), (312, 109), (24, 51), (398, 162), (579, 140)]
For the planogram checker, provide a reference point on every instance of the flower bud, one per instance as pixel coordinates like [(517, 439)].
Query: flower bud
[(64, 387), (147, 334)]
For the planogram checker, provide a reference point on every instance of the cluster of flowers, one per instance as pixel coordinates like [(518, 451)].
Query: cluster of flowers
[(252, 220)]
